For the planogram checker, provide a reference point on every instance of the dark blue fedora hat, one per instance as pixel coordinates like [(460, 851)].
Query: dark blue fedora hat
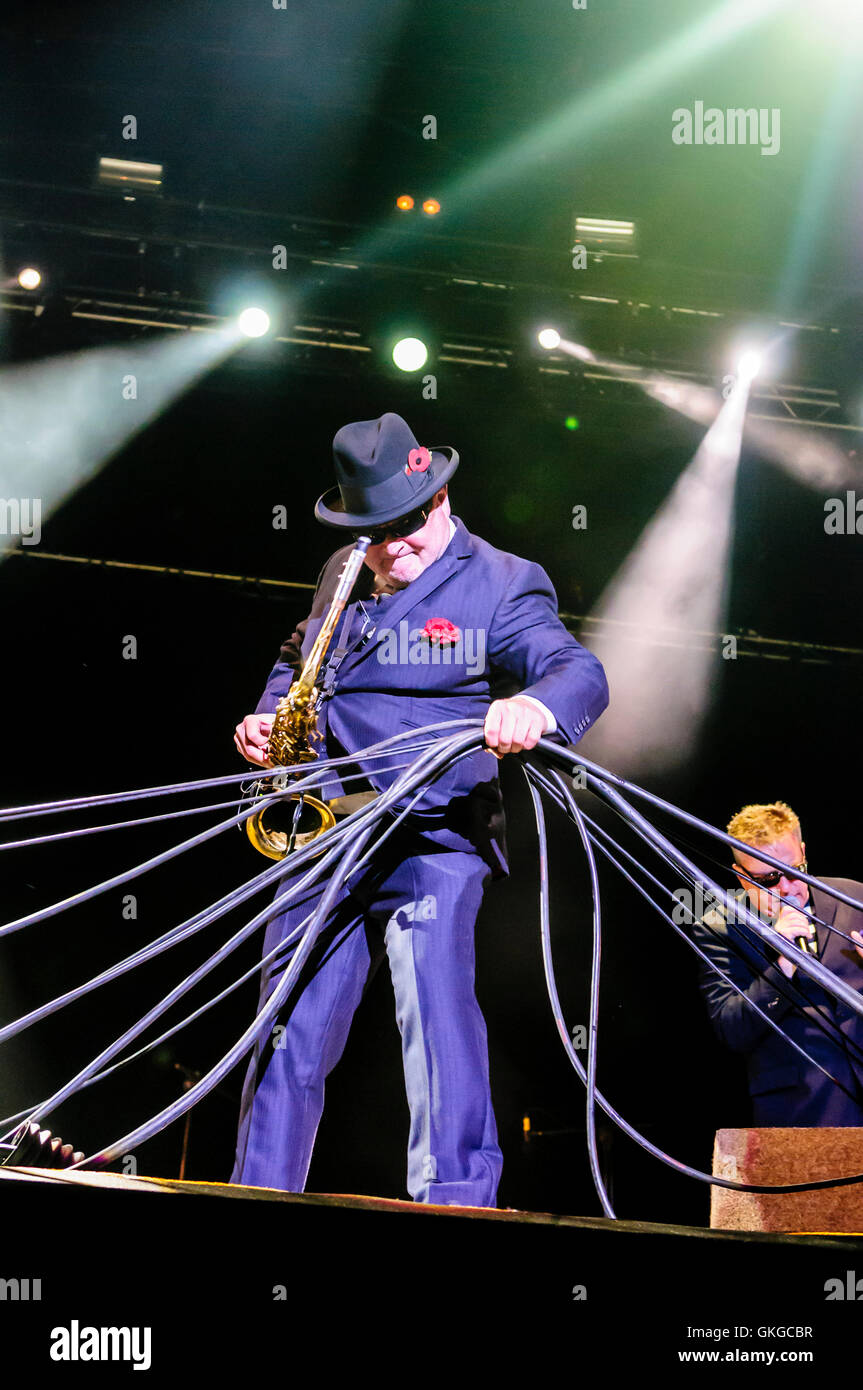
[(382, 473)]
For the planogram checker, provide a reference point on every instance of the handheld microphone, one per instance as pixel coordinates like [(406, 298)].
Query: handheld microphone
[(809, 944)]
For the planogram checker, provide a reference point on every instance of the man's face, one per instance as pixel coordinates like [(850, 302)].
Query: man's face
[(402, 559), (791, 850)]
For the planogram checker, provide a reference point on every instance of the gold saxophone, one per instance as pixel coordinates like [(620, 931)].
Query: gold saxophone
[(293, 737)]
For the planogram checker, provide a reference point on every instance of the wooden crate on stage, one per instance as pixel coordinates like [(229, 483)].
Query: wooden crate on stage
[(787, 1156)]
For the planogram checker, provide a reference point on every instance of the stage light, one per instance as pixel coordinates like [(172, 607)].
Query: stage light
[(548, 338), (405, 202), (130, 176), (409, 354), (431, 206), (836, 22), (572, 422), (578, 350), (604, 234), (29, 278), (749, 364), (665, 609), (254, 323), (597, 112), (53, 408)]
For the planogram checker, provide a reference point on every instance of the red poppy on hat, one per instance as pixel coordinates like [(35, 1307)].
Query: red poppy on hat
[(418, 461)]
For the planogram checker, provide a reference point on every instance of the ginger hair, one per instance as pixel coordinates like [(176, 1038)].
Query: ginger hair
[(764, 825)]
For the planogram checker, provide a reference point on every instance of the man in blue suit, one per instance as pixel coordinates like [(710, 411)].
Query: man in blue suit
[(441, 625)]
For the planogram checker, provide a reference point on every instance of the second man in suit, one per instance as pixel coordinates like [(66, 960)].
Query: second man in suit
[(786, 1089)]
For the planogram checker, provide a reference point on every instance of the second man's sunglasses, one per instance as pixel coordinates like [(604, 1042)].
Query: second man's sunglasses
[(771, 879)]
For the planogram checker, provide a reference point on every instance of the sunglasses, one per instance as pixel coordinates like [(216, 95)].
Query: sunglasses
[(770, 880), (402, 526)]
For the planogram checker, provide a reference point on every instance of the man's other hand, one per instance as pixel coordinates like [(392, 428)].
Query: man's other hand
[(251, 738), (512, 725)]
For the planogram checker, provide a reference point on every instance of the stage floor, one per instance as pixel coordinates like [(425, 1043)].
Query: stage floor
[(262, 1272)]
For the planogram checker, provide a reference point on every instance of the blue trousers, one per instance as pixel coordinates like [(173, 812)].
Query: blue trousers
[(418, 906)]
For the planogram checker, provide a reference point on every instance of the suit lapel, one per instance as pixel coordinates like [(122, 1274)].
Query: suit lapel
[(390, 611), (824, 907)]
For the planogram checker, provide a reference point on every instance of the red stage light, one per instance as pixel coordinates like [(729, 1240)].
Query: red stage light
[(405, 202), (431, 206)]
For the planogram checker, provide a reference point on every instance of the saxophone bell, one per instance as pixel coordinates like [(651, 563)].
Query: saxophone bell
[(290, 823)]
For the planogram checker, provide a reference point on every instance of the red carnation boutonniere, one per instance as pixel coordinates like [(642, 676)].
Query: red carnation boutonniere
[(442, 631), (418, 461)]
